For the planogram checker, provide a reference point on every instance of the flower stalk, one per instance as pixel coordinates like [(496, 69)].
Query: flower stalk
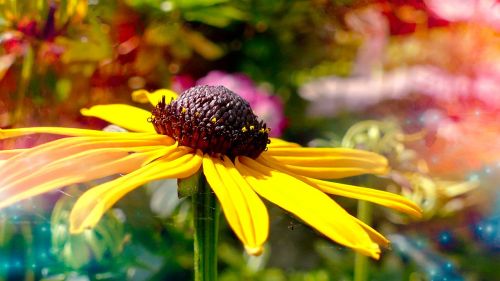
[(206, 226), (361, 262)]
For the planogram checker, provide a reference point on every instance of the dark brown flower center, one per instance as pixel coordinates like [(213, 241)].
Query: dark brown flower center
[(213, 119)]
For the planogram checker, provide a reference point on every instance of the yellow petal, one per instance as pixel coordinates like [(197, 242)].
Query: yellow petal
[(244, 211), (78, 168), (6, 154), (327, 167), (380, 197), (275, 142), (12, 133), (309, 204), (327, 163), (374, 235), (325, 152), (387, 199), (333, 172), (90, 207), (153, 98), (38, 157), (126, 116)]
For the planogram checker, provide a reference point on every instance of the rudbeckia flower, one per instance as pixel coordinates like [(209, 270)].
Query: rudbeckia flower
[(208, 128)]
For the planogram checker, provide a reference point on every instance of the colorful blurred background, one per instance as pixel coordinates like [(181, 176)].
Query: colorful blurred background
[(417, 81)]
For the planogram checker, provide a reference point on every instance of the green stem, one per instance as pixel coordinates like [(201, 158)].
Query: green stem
[(27, 231), (361, 262), (206, 224), (26, 72)]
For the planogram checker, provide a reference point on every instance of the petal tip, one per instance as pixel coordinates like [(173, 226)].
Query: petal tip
[(144, 96), (80, 227), (254, 250), (413, 209), (371, 250), (76, 229), (418, 214), (374, 251), (140, 96), (85, 111), (86, 216)]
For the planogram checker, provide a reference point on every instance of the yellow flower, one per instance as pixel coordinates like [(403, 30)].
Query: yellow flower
[(203, 127)]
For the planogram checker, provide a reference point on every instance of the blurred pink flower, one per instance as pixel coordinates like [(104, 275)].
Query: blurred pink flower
[(373, 26), (481, 11), (330, 95), (461, 130), (266, 106), (180, 83)]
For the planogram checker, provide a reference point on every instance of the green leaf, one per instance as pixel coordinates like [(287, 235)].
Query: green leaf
[(218, 16), (190, 4)]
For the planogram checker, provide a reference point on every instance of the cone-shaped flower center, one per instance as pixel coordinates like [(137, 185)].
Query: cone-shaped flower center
[(213, 119)]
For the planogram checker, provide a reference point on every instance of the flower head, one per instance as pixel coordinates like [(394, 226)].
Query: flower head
[(214, 120), (239, 165), (265, 105)]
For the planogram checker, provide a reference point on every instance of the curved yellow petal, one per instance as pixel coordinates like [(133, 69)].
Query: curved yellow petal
[(374, 235), (13, 133), (309, 204), (155, 97), (325, 172), (74, 169), (80, 161), (328, 163), (325, 152), (126, 116), (42, 155), (6, 154), (380, 197), (90, 207), (275, 142), (244, 210), (384, 198)]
